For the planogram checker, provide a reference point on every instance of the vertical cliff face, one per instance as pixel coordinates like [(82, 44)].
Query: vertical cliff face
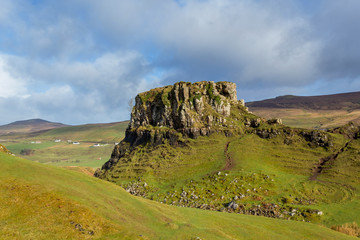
[(184, 105), (184, 110)]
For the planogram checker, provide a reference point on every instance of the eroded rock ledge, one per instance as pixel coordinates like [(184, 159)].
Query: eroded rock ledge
[(192, 109)]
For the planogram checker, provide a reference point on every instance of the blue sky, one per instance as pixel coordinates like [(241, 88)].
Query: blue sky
[(81, 61)]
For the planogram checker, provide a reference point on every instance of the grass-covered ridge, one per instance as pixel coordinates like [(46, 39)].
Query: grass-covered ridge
[(70, 205)]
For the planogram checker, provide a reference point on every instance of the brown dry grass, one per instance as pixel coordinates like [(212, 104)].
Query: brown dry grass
[(309, 118), (86, 170), (351, 229)]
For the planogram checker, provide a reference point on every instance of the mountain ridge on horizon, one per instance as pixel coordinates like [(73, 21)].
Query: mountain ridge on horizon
[(28, 126), (348, 101)]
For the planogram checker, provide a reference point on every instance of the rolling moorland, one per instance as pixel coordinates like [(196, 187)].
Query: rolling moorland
[(319, 112), (190, 147)]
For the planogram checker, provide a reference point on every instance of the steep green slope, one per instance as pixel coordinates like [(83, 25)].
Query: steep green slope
[(44, 202)]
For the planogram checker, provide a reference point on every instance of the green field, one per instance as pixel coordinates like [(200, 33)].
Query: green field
[(105, 133), (45, 202), (68, 154)]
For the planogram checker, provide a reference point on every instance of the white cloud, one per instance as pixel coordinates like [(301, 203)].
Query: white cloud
[(258, 43), (99, 54), (243, 41), (116, 75), (76, 92), (10, 85)]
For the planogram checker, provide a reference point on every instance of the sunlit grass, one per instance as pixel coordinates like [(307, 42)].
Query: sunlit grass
[(41, 202)]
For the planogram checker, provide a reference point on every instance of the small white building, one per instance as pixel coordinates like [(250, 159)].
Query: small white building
[(57, 140)]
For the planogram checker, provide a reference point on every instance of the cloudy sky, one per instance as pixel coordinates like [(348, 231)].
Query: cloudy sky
[(81, 61)]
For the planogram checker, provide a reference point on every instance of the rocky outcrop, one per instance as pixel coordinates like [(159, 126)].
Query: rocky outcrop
[(350, 130), (184, 105), (191, 109), (184, 110), (317, 138)]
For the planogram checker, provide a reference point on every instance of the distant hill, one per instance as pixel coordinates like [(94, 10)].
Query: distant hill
[(342, 101), (28, 126), (311, 111)]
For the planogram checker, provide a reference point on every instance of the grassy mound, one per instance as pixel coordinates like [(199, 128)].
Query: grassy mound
[(43, 202)]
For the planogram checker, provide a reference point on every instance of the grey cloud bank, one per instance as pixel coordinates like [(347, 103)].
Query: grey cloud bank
[(81, 61)]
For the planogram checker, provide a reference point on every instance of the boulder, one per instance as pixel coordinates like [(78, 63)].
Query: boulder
[(233, 205), (317, 138)]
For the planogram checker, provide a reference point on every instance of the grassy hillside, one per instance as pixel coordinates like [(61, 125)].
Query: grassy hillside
[(45, 150), (44, 202), (262, 176), (107, 132)]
